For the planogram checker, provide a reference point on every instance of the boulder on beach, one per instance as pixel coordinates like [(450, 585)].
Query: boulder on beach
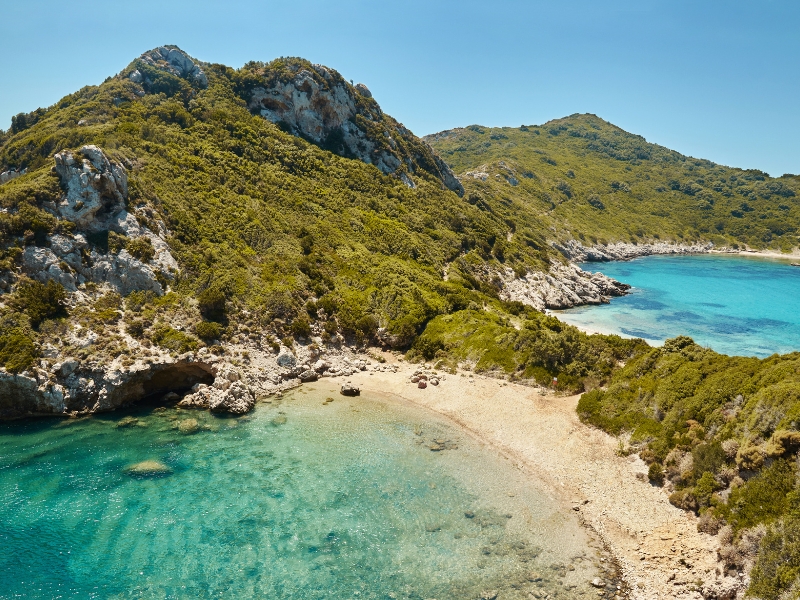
[(148, 468), (349, 389)]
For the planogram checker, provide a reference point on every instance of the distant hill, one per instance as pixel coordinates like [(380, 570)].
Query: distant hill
[(592, 181)]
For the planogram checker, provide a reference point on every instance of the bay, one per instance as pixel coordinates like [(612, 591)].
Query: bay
[(736, 305), (304, 498)]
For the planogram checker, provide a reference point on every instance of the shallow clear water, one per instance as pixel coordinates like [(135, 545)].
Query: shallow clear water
[(297, 500), (735, 305)]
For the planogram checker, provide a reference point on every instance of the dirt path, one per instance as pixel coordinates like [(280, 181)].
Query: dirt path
[(658, 547)]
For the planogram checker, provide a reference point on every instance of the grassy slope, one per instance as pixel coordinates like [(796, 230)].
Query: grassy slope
[(591, 180)]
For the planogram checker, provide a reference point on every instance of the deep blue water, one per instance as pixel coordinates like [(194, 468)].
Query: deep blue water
[(736, 305), (299, 500)]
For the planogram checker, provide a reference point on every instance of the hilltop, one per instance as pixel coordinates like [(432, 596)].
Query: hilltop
[(594, 183)]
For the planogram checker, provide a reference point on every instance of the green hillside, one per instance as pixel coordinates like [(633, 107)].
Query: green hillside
[(270, 231), (595, 182), (724, 432), (286, 200)]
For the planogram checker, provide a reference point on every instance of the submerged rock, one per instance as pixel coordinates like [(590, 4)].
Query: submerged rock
[(148, 467), (189, 426)]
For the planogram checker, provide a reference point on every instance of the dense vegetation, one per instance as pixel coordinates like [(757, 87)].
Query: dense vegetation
[(723, 433), (523, 344), (595, 182), (271, 232)]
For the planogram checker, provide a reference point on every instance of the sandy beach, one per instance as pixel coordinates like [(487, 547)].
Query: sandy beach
[(657, 546)]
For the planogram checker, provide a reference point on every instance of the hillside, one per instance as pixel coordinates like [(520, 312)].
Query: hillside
[(591, 181), (184, 206)]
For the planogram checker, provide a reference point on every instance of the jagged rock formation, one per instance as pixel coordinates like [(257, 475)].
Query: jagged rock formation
[(565, 286), (96, 193), (173, 60), (315, 102), (575, 251), (7, 176), (227, 394), (71, 389)]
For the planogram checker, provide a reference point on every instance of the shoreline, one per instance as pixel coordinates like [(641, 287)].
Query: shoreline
[(656, 546)]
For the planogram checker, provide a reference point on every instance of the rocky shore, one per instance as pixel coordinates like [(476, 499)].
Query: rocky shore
[(577, 252), (220, 383), (564, 286)]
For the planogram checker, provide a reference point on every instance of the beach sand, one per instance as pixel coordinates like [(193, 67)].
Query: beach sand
[(657, 546)]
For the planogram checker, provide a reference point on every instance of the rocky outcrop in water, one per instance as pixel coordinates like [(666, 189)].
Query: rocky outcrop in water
[(577, 252), (316, 103), (564, 286)]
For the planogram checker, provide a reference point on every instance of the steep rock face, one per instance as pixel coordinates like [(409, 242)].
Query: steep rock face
[(96, 191), (72, 390), (173, 60), (7, 176), (94, 185), (576, 251), (564, 286), (316, 103)]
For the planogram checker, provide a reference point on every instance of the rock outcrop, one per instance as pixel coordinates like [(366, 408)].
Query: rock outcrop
[(96, 191), (72, 389), (316, 103), (564, 286), (7, 176), (227, 394), (96, 187), (173, 60), (577, 252)]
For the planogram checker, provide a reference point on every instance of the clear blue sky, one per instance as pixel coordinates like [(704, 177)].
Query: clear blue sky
[(717, 79)]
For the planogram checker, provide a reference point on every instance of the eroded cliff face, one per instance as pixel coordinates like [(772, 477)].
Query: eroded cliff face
[(316, 103), (94, 200)]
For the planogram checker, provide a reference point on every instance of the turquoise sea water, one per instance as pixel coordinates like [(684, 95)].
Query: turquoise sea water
[(736, 305), (297, 500)]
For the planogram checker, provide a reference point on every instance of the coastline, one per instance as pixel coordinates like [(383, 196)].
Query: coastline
[(656, 546)]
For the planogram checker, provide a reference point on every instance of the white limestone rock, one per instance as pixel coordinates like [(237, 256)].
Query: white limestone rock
[(92, 183), (175, 61), (318, 104), (564, 286)]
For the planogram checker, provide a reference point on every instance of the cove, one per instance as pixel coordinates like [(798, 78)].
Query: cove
[(303, 498), (736, 305)]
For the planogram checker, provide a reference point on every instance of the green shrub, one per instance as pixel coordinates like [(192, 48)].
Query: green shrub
[(172, 339), (208, 330), (141, 248), (18, 352), (301, 327), (777, 567), (40, 301), (211, 303), (656, 473)]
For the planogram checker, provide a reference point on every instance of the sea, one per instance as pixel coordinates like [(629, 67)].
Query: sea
[(735, 305), (311, 496)]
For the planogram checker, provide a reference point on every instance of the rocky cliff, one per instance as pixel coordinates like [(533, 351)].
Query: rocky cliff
[(316, 102), (94, 202), (564, 286)]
